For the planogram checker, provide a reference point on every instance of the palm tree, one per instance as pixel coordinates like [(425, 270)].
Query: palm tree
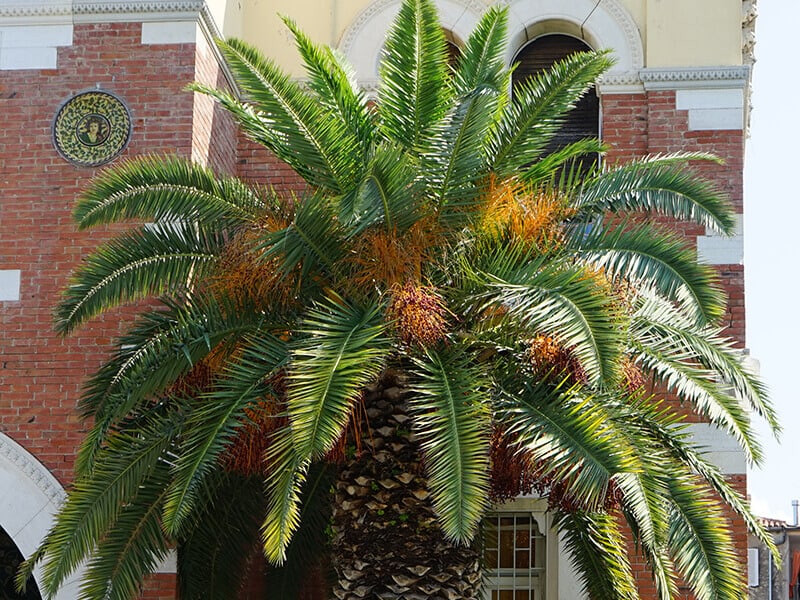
[(447, 315)]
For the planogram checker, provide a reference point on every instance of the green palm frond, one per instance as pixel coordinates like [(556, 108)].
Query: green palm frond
[(675, 439), (212, 426), (278, 113), (212, 558), (645, 512), (650, 256), (284, 483), (482, 61), (133, 547), (454, 155), (166, 189), (538, 108), (702, 544), (414, 87), (95, 503), (161, 346), (711, 349), (677, 355), (451, 419), (597, 550), (563, 166), (333, 81), (564, 302), (657, 185), (313, 242), (569, 436), (341, 349), (134, 265), (310, 543), (385, 195)]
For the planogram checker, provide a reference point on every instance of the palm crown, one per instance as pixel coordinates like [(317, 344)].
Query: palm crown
[(520, 296)]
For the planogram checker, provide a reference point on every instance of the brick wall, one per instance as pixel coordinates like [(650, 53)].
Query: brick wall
[(649, 123), (41, 374)]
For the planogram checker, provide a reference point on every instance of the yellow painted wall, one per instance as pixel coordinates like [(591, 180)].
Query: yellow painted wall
[(675, 33), (693, 33)]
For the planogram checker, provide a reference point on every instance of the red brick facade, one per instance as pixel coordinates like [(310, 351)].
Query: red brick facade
[(41, 374)]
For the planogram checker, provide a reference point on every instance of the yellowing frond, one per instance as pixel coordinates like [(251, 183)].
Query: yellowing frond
[(533, 215)]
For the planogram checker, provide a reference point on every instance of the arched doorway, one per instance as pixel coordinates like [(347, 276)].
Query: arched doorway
[(29, 498), (10, 559)]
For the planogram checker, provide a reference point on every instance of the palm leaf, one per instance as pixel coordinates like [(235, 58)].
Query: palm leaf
[(95, 502), (342, 350), (451, 419), (644, 254), (674, 354), (287, 474), (385, 195), (333, 81), (597, 551), (413, 89), (213, 425), (132, 548), (564, 302), (141, 263), (538, 108), (166, 189), (657, 185), (162, 346), (570, 437), (453, 158), (282, 116), (481, 61), (701, 542)]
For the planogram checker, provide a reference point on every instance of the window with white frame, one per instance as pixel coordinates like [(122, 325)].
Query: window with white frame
[(514, 557)]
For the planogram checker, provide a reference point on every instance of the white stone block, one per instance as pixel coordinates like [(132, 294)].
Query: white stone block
[(717, 98), (14, 59), (36, 36), (716, 249), (169, 32), (9, 285), (719, 447), (716, 119), (169, 564), (720, 251)]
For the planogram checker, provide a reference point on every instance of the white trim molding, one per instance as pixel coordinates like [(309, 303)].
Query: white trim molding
[(695, 77), (29, 499), (10, 285)]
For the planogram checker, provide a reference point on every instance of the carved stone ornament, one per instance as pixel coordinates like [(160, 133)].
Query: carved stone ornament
[(91, 128)]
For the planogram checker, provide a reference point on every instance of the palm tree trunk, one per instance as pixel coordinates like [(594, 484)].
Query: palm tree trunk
[(387, 543)]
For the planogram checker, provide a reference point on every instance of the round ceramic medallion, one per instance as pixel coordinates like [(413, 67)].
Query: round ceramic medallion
[(91, 128)]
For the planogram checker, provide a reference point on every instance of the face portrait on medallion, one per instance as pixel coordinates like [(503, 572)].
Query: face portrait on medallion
[(92, 130)]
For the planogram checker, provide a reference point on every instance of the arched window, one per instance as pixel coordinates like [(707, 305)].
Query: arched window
[(540, 54)]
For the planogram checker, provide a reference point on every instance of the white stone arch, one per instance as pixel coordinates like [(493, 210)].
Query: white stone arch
[(362, 41), (602, 25), (29, 497)]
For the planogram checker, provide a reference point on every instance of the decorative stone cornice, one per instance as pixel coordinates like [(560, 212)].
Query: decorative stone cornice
[(90, 10), (32, 469), (687, 77)]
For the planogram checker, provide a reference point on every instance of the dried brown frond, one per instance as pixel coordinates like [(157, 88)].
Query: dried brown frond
[(419, 314), (384, 259), (550, 360), (244, 276), (246, 453), (511, 474)]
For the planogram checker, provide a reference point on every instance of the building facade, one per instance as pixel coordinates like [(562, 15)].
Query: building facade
[(680, 83)]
